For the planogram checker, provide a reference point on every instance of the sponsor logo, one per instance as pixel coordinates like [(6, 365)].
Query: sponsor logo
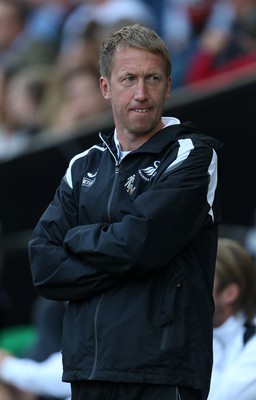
[(89, 179)]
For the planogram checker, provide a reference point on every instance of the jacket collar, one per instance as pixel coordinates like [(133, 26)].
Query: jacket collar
[(112, 142), (172, 131), (167, 121)]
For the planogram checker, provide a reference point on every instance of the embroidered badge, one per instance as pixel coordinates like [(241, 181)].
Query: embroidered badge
[(148, 173), (129, 185)]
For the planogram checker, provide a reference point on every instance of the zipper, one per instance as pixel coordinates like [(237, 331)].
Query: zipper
[(117, 168), (96, 337)]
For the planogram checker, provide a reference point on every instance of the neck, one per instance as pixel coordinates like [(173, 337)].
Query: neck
[(220, 318), (131, 141)]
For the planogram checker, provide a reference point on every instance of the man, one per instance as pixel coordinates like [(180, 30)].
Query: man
[(130, 240), (234, 339)]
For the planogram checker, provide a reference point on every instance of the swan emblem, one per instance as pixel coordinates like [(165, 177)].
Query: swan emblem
[(149, 172)]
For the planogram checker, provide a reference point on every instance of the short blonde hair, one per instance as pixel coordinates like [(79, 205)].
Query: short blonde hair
[(137, 36)]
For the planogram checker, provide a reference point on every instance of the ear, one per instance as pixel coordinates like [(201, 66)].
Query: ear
[(230, 293), (105, 88)]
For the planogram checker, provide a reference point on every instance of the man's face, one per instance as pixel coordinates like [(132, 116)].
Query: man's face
[(137, 88)]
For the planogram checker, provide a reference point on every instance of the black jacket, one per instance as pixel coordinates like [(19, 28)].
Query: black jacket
[(132, 246)]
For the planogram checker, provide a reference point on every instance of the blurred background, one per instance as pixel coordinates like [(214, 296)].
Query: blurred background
[(51, 108)]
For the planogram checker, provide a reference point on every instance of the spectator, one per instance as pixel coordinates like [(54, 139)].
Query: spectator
[(183, 20), (227, 45), (12, 25), (182, 23), (26, 379), (85, 48), (47, 320), (37, 369), (2, 90), (104, 12), (81, 100), (23, 109), (42, 31), (234, 339)]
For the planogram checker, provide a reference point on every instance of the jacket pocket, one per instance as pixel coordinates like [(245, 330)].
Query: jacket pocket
[(170, 311), (167, 311)]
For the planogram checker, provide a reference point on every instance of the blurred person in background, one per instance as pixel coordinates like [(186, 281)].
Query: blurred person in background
[(2, 91), (182, 24), (47, 321), (106, 13), (12, 27), (234, 334), (81, 100), (35, 371), (84, 51), (23, 104), (42, 33), (227, 44), (30, 31), (27, 379)]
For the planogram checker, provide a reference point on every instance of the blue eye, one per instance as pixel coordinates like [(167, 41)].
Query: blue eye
[(128, 80)]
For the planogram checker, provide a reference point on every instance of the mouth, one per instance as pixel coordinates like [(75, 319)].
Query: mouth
[(141, 110)]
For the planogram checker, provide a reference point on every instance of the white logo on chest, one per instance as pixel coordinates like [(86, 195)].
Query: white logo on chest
[(148, 173), (89, 180)]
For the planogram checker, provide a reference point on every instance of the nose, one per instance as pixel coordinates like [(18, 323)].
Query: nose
[(141, 93)]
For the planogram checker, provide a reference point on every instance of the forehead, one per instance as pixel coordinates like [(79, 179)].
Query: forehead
[(131, 58)]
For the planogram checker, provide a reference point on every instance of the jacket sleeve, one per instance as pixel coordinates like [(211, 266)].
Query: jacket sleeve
[(57, 274), (163, 220)]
